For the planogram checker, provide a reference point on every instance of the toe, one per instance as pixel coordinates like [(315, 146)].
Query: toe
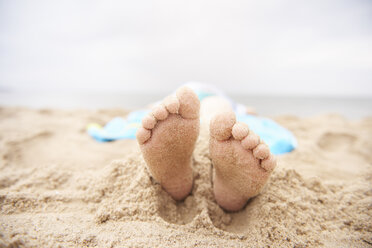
[(172, 104), (189, 103), (261, 151), (251, 141), (143, 135), (269, 163), (240, 130), (160, 112), (149, 121), (221, 125)]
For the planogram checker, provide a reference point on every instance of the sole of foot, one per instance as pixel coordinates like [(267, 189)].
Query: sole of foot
[(167, 140), (242, 163)]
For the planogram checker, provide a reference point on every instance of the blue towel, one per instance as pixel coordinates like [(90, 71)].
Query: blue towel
[(279, 139)]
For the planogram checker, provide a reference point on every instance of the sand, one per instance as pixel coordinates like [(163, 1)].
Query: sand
[(60, 188)]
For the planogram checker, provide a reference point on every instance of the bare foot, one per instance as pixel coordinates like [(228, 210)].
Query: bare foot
[(167, 140), (242, 163)]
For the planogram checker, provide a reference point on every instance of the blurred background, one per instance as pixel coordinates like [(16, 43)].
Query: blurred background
[(295, 57)]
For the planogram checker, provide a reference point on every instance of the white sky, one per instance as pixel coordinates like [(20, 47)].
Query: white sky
[(321, 47)]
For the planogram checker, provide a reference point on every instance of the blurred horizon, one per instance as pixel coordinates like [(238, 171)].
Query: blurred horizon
[(349, 107), (279, 48)]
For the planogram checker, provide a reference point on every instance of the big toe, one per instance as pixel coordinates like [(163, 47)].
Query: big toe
[(221, 125), (189, 104)]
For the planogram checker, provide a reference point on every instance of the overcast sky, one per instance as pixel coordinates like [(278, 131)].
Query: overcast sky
[(249, 47)]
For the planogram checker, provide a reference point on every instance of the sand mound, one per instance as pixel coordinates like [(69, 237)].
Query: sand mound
[(58, 187)]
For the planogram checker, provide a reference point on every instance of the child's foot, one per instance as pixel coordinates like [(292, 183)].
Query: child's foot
[(242, 163), (167, 140)]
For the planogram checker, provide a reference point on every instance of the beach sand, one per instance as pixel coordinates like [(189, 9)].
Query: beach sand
[(60, 188)]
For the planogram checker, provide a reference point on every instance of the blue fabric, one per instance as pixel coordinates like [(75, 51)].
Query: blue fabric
[(118, 128), (279, 139)]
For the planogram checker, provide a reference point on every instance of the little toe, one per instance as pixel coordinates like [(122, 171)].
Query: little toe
[(269, 163), (221, 125), (189, 104), (240, 130), (149, 121), (251, 141), (143, 135), (172, 104), (261, 151), (160, 112)]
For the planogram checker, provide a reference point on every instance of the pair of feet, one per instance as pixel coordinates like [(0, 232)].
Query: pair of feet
[(242, 163)]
